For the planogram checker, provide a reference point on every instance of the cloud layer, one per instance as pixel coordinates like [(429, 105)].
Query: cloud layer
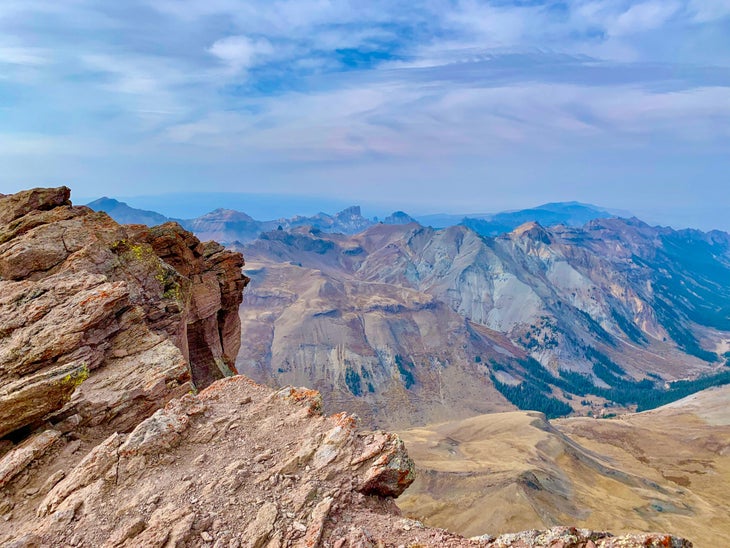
[(386, 96)]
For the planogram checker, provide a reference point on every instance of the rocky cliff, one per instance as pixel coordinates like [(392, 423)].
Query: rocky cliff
[(106, 333), (103, 323)]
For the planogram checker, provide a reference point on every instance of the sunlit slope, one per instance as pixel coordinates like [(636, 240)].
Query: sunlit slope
[(393, 355), (667, 469)]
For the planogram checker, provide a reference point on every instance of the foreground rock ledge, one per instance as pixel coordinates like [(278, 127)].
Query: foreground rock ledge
[(242, 465)]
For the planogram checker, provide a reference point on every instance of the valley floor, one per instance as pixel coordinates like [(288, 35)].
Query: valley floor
[(666, 469)]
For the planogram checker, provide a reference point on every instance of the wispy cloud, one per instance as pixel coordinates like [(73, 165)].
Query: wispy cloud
[(704, 11), (22, 56), (241, 52), (643, 17), (297, 83)]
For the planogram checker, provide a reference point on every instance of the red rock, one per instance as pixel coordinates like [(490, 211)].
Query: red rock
[(391, 473), (132, 314)]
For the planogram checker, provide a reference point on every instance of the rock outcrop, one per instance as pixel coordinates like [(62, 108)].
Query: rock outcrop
[(106, 333), (240, 465), (102, 323)]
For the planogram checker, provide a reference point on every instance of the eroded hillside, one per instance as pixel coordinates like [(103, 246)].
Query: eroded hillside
[(587, 319)]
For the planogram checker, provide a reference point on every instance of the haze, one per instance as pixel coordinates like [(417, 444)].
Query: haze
[(439, 105)]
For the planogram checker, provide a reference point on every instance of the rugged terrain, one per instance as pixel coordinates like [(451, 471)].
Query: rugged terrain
[(85, 301), (234, 227), (390, 354), (666, 469), (591, 319), (230, 226), (108, 332)]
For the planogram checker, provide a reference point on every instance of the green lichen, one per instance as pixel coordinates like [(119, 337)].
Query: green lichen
[(74, 379), (173, 293), (132, 251), (138, 251), (166, 276), (168, 280)]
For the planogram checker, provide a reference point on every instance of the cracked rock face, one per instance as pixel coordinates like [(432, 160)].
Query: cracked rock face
[(103, 322), (227, 463), (240, 465)]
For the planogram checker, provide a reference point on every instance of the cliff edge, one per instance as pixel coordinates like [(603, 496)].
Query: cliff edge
[(102, 323)]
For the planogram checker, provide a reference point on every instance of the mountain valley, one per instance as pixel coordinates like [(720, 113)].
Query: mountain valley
[(391, 321), (666, 469)]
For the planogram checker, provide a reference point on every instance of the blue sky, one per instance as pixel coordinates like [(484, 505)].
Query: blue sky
[(438, 105)]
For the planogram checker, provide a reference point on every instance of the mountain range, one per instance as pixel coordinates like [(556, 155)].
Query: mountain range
[(228, 226), (123, 422), (565, 213), (408, 324)]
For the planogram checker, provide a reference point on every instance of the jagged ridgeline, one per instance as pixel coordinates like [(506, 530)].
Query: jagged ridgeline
[(408, 324)]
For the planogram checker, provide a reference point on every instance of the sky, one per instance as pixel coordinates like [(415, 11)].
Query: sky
[(427, 106)]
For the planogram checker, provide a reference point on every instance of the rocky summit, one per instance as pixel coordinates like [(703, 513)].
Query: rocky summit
[(122, 422)]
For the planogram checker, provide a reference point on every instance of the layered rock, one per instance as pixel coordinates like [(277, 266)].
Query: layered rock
[(102, 323)]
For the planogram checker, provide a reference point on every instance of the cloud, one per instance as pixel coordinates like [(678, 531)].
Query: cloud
[(642, 17), (295, 84), (22, 56), (709, 10), (241, 52), (401, 114)]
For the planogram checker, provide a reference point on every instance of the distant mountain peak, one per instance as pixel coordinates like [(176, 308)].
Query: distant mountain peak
[(106, 201), (532, 230), (125, 214), (352, 211), (571, 214), (228, 214), (399, 218), (572, 203)]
